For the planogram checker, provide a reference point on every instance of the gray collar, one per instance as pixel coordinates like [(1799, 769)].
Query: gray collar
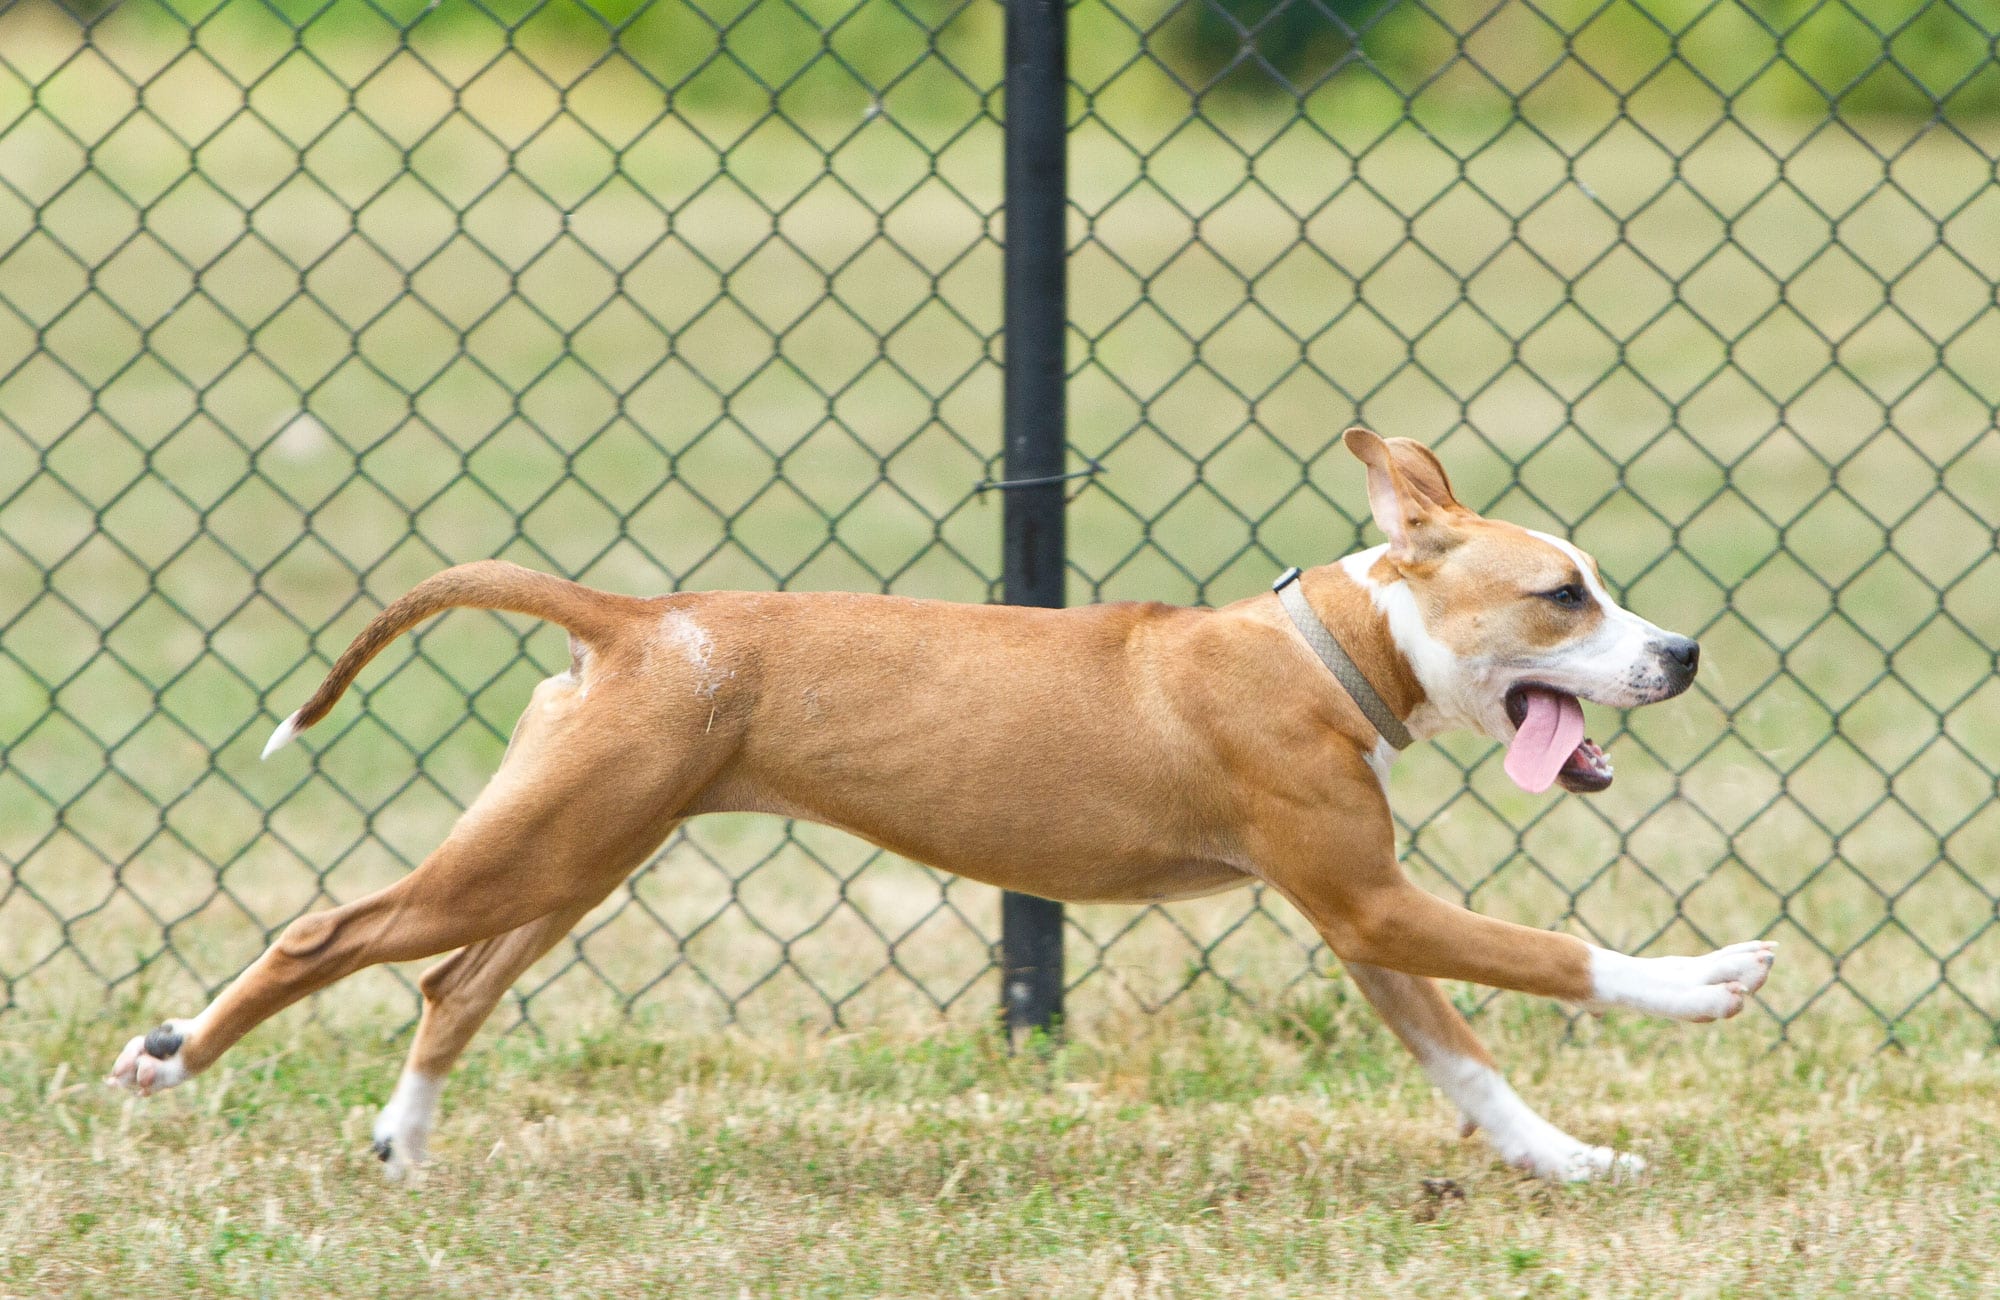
[(1343, 668)]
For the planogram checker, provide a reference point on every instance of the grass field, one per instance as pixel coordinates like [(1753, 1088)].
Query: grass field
[(1187, 1154)]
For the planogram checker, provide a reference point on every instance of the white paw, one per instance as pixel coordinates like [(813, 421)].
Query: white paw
[(153, 1062), (1520, 1136), (1714, 987), (403, 1129), (1558, 1156)]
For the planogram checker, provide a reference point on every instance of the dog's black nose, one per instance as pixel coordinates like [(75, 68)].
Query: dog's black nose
[(1686, 652)]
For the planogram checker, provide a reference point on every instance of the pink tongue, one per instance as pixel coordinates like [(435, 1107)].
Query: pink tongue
[(1548, 735)]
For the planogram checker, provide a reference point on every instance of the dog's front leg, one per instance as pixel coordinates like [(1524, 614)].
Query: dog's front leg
[(1397, 925), (1331, 851), (1333, 857), (1460, 1067)]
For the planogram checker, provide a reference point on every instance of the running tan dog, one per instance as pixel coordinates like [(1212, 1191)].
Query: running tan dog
[(1115, 753)]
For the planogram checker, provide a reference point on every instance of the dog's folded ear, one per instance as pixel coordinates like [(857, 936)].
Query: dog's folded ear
[(1408, 493)]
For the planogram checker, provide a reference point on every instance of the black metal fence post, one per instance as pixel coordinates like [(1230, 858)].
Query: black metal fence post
[(1036, 317)]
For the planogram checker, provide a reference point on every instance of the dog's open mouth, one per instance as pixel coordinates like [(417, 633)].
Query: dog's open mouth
[(1549, 744)]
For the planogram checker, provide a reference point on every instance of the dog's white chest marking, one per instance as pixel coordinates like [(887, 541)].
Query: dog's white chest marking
[(1380, 759), (1452, 698)]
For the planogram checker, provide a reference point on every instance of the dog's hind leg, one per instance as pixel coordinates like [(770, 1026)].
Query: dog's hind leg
[(460, 992), (1459, 1065), (587, 790)]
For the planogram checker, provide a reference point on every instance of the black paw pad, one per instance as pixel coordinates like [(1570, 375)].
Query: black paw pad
[(384, 1149), (163, 1042)]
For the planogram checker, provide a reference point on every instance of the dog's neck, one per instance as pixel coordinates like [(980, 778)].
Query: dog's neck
[(1342, 594)]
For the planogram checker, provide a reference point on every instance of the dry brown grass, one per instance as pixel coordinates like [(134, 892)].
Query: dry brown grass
[(131, 787), (1186, 1155)]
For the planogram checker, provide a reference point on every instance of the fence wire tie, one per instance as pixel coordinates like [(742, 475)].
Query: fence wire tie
[(1091, 470)]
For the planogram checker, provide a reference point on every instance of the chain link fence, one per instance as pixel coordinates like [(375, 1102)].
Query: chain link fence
[(299, 303)]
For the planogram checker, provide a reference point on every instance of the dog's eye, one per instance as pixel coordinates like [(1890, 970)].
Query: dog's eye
[(1569, 596)]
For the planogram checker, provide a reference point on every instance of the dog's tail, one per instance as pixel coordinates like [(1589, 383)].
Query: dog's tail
[(593, 616)]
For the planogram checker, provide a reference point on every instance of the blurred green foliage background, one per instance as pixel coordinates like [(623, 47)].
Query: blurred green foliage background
[(1789, 56)]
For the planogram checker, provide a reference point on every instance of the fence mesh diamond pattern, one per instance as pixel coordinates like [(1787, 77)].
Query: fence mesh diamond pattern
[(300, 302)]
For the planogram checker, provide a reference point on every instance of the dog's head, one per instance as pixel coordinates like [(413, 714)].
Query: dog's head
[(1505, 628)]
